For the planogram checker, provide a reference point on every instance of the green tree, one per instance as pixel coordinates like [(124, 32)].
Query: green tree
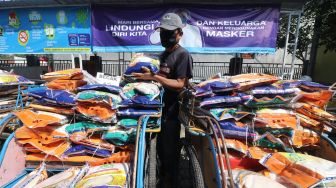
[(313, 9)]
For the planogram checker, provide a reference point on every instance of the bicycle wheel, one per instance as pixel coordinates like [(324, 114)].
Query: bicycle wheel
[(8, 125), (189, 170), (151, 161)]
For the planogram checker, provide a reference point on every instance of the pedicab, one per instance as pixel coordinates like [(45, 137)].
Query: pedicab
[(144, 165), (56, 109), (215, 124), (11, 98)]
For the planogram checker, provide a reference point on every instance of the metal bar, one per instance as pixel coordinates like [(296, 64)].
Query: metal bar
[(216, 165), (80, 62), (73, 61), (226, 153), (119, 64), (45, 6), (295, 46), (285, 50), (290, 12)]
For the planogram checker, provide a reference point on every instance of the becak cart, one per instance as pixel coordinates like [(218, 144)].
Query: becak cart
[(262, 120)]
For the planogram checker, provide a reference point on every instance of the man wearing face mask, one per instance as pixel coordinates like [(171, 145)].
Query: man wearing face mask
[(175, 71), (192, 34)]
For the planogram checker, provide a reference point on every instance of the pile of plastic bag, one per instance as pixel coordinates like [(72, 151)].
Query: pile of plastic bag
[(272, 128), (108, 175), (10, 87), (74, 123)]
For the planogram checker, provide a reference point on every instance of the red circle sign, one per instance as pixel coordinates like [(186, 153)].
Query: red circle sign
[(23, 37)]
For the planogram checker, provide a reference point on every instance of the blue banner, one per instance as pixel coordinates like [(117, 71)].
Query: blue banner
[(206, 28), (45, 30)]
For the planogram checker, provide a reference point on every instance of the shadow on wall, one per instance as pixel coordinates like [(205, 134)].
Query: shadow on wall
[(325, 69)]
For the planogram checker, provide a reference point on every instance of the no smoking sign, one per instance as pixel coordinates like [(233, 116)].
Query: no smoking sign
[(23, 37)]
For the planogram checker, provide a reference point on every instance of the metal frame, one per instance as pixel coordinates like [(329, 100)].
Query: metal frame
[(289, 22)]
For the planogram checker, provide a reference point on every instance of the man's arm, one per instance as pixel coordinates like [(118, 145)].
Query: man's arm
[(175, 84), (171, 83)]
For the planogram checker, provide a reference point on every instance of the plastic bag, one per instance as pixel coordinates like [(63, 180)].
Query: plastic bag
[(228, 113), (8, 79), (305, 137), (78, 149), (100, 87), (231, 130), (318, 98), (118, 157), (132, 112), (112, 175), (33, 178), (97, 112), (59, 97), (40, 119), (63, 179), (250, 179), (141, 101), (119, 136), (44, 136), (276, 118), (302, 170), (54, 109), (277, 101), (221, 100), (247, 81), (314, 112), (216, 85), (272, 90), (151, 91), (92, 96), (70, 74), (83, 138), (142, 61), (70, 85), (133, 122), (84, 126), (305, 85)]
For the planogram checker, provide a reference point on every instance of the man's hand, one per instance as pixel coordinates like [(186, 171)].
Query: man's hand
[(146, 75)]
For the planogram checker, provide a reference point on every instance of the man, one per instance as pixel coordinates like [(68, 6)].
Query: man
[(175, 71), (192, 34)]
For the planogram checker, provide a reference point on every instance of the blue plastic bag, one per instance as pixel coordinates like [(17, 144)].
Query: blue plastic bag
[(101, 87), (142, 101), (59, 97), (137, 68), (87, 150), (231, 130), (271, 90), (133, 112)]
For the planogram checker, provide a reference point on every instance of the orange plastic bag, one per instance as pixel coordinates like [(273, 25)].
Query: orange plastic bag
[(304, 138), (97, 112), (258, 152), (70, 85), (320, 98), (234, 145), (41, 136), (314, 112), (54, 149), (54, 109), (247, 81), (81, 138), (70, 74), (305, 121), (276, 120), (34, 120), (301, 170)]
